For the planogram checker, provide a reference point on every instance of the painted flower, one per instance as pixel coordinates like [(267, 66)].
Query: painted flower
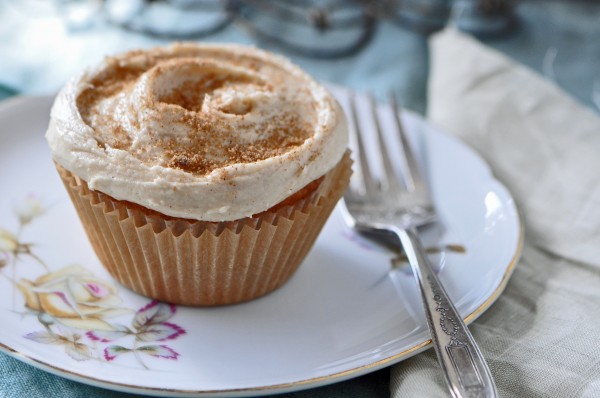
[(30, 208), (149, 324), (74, 297)]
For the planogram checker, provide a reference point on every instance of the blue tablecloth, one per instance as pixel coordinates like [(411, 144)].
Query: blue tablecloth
[(37, 55)]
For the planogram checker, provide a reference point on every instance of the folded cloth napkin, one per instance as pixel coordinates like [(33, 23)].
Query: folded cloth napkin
[(542, 337)]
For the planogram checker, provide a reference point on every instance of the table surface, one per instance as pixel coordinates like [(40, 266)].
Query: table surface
[(38, 54)]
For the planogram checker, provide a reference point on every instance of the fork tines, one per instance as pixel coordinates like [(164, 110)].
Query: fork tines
[(396, 177)]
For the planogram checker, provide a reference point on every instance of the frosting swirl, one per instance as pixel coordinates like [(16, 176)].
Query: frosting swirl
[(207, 132)]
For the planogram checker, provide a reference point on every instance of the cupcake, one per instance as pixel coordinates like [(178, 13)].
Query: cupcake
[(202, 174)]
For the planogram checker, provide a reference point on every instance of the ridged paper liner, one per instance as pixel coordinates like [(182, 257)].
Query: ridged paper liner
[(203, 263)]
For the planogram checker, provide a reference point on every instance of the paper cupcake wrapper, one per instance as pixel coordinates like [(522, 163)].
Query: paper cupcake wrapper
[(201, 263)]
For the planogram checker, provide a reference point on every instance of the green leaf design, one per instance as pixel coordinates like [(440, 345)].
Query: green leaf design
[(104, 336), (159, 332), (153, 313), (113, 351), (159, 351)]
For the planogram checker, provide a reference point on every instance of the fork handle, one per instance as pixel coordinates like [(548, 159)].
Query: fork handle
[(465, 369)]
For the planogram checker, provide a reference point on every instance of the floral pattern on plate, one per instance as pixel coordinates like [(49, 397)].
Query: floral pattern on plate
[(79, 311)]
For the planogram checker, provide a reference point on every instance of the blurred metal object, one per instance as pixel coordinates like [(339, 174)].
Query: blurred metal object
[(170, 19), (485, 18), (325, 29), (317, 29)]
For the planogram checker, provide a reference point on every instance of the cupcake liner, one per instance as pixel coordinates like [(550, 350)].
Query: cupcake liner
[(202, 263)]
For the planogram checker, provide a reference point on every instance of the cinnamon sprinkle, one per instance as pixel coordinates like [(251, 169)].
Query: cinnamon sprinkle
[(211, 142)]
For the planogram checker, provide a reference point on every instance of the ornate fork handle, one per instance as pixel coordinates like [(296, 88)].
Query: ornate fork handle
[(466, 372)]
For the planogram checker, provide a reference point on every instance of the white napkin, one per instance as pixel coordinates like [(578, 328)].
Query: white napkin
[(542, 337)]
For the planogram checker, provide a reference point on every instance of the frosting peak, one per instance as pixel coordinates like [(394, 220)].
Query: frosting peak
[(215, 125)]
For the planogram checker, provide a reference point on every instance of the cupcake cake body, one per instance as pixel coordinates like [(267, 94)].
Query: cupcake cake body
[(193, 166)]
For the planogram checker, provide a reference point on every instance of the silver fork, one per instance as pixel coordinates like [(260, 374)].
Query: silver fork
[(387, 204)]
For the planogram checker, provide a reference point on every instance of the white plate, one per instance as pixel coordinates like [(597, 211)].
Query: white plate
[(342, 315)]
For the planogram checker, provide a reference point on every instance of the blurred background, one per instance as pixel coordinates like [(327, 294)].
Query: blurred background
[(366, 45)]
